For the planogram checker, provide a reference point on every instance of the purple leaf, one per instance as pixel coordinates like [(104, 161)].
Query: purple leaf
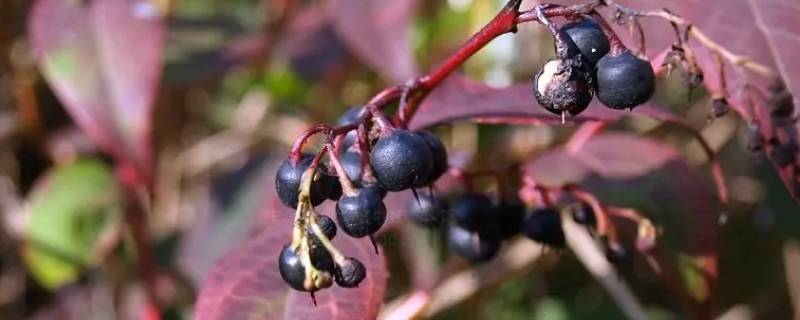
[(610, 155), (378, 33), (557, 168), (620, 156), (777, 20), (103, 60)]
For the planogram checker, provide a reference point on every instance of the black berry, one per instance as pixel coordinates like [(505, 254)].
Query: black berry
[(350, 273), (563, 86), (291, 269), (289, 175), (351, 162), (582, 213), (363, 214), (401, 160), (321, 259), (350, 116), (588, 38), (509, 216), (624, 81), (472, 246), (439, 153), (473, 212), (544, 226), (427, 210)]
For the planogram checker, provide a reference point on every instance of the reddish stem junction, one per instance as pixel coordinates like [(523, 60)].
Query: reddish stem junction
[(414, 91)]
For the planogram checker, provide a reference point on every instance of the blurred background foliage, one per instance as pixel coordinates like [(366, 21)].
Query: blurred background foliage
[(227, 111)]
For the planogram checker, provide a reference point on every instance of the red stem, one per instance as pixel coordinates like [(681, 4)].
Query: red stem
[(136, 219), (297, 149)]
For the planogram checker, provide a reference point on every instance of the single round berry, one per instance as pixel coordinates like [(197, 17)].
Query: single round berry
[(509, 216), (472, 246), (291, 269), (562, 86), (350, 273), (349, 117), (363, 214), (321, 259), (289, 176), (588, 38), (583, 213), (327, 225), (473, 212), (439, 153), (351, 162), (427, 210), (624, 81), (401, 160), (544, 226)]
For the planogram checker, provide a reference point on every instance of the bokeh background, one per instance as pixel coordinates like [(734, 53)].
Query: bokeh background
[(240, 79)]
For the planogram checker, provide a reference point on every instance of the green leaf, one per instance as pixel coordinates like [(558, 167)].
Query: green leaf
[(70, 211), (695, 277)]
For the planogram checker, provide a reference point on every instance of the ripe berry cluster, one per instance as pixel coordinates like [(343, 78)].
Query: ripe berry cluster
[(476, 227), (586, 63), (396, 160), (369, 155)]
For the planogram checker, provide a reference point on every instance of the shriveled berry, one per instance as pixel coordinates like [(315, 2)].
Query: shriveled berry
[(439, 153), (624, 81), (327, 225), (401, 160), (562, 86), (582, 213), (427, 210), (472, 246), (509, 216), (350, 273), (291, 269), (363, 214), (351, 162), (543, 225), (473, 212), (289, 176), (588, 38)]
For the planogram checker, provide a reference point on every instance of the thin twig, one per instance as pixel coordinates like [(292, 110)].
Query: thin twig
[(591, 255)]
